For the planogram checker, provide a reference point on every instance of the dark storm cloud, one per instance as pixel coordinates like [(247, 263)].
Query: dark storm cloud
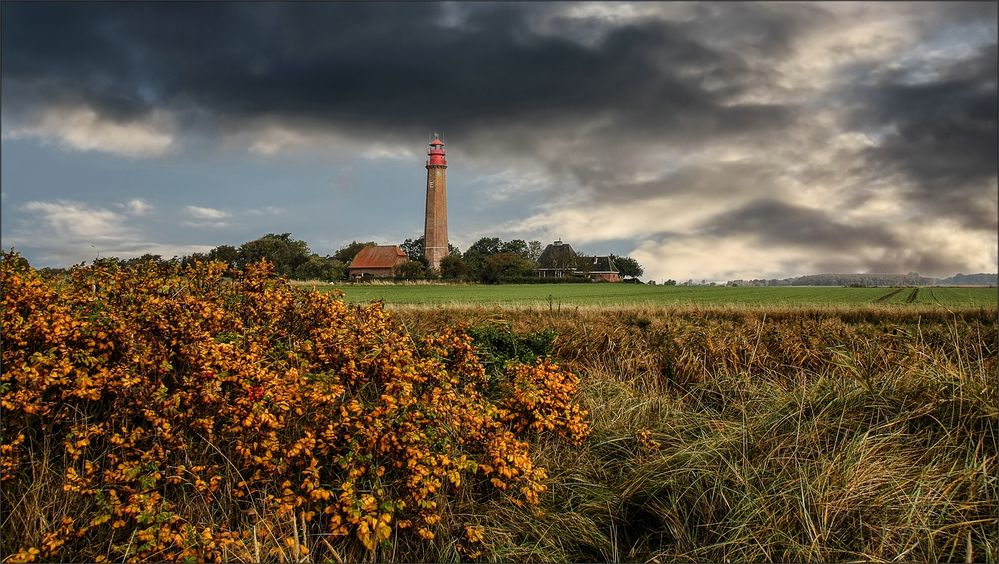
[(942, 134), (835, 246), (708, 181), (392, 69), (763, 29), (926, 261), (781, 224)]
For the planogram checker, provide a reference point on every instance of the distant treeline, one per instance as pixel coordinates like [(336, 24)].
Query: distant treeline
[(489, 260), (981, 279), (910, 279)]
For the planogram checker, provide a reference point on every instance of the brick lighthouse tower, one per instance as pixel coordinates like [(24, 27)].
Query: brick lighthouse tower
[(435, 230)]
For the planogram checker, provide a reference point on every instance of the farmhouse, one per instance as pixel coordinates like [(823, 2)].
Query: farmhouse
[(598, 268), (377, 261), (559, 260)]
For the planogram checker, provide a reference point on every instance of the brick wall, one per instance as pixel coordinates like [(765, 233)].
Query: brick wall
[(435, 226)]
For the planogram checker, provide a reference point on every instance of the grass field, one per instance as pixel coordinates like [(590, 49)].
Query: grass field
[(643, 295)]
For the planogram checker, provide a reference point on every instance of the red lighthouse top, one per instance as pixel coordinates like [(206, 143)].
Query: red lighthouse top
[(436, 156)]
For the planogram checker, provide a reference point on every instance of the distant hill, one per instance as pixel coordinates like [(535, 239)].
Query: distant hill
[(871, 279), (980, 279)]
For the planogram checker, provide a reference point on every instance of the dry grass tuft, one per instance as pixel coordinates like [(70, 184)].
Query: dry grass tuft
[(776, 435)]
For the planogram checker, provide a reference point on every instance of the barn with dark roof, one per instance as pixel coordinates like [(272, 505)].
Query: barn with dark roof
[(598, 268)]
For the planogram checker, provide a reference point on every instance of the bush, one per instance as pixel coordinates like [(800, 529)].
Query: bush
[(497, 345), (166, 413)]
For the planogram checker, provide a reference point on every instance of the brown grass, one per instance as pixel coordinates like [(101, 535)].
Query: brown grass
[(763, 435)]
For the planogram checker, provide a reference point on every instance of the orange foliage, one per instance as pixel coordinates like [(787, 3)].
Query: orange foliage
[(542, 400), (163, 385)]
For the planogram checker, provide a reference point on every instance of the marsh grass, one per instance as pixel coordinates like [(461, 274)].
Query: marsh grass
[(776, 435)]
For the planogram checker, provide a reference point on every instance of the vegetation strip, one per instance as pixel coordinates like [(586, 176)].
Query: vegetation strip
[(555, 296), (154, 414)]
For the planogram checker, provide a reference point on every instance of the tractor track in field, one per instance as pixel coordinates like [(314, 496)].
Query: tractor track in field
[(887, 296), (934, 296), (912, 296)]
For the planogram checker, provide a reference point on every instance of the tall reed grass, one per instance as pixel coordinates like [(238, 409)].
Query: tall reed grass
[(762, 435)]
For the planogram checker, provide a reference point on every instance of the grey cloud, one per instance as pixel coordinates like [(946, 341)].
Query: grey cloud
[(925, 261), (707, 181), (761, 29), (778, 223), (833, 246), (942, 135), (391, 68)]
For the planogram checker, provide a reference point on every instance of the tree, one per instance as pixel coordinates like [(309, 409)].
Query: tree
[(671, 282), (286, 253), (321, 268), (489, 273), (534, 250), (224, 253), (189, 260), (628, 267), (476, 255), (414, 248), (347, 252), (474, 262), (486, 246), (516, 246), (144, 259), (412, 270), (510, 265), (453, 267)]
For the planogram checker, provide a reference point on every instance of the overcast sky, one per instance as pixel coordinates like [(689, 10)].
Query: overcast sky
[(708, 141)]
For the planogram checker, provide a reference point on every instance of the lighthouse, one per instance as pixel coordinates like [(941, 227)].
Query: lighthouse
[(435, 228)]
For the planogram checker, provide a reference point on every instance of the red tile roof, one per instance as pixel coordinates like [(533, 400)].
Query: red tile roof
[(381, 256)]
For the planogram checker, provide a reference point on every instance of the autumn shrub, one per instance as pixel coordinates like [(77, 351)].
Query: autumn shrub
[(167, 413), (542, 399)]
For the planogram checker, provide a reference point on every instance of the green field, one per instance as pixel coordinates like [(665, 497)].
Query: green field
[(643, 295)]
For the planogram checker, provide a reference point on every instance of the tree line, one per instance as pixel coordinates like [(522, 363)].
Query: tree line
[(489, 260)]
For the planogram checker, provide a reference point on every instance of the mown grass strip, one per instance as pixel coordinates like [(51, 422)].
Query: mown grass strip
[(560, 296)]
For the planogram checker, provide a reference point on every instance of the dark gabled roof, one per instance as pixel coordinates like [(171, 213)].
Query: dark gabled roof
[(558, 256), (604, 264), (381, 256)]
